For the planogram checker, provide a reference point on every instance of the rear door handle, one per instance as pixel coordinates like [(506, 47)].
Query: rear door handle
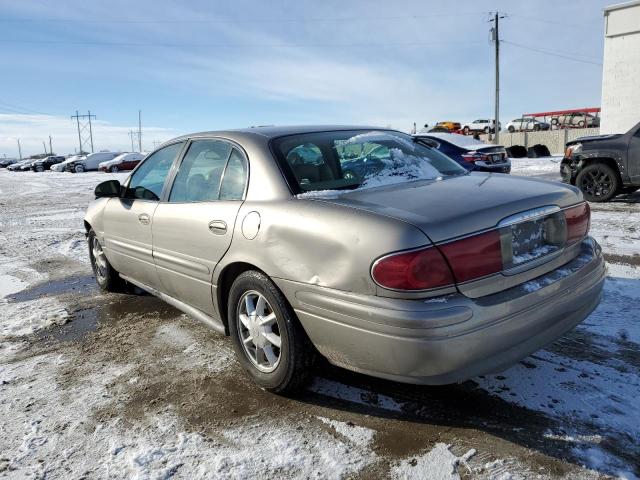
[(144, 219), (218, 227)]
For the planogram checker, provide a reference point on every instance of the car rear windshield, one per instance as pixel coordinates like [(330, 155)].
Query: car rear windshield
[(358, 159)]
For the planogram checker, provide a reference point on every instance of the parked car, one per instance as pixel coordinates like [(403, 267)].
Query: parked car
[(527, 125), (90, 162), (421, 273), (17, 166), (603, 166), (62, 166), (576, 120), (470, 153), (46, 163), (5, 162), (450, 126), (124, 161), (484, 126), (26, 166)]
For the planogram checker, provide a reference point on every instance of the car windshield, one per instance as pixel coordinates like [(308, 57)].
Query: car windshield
[(358, 159)]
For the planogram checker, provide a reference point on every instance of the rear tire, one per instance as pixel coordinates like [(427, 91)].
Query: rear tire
[(487, 130), (115, 169), (79, 169), (107, 277), (466, 130), (269, 341), (39, 169), (511, 129), (598, 182)]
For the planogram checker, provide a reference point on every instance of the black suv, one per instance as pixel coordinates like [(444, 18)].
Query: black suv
[(46, 163), (603, 166)]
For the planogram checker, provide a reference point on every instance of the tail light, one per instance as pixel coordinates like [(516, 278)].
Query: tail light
[(474, 157), (417, 270), (474, 257), (578, 222)]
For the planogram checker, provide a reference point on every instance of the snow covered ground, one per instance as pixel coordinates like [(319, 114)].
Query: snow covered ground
[(95, 385)]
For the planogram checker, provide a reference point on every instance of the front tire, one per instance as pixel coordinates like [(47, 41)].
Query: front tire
[(107, 277), (511, 129), (115, 169), (39, 169), (269, 341), (598, 182), (79, 169)]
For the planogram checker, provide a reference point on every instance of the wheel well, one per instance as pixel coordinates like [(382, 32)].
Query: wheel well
[(226, 279), (87, 227)]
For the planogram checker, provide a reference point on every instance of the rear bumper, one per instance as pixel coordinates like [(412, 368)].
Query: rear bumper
[(493, 167), (453, 338)]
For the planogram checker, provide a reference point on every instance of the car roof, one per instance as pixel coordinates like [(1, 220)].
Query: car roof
[(271, 131)]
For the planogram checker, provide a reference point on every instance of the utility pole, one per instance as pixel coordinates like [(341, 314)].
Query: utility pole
[(495, 37), (45, 147), (19, 150), (139, 130), (85, 130), (133, 134), (50, 146)]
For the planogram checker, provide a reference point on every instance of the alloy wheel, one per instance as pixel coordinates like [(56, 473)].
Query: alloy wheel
[(259, 331), (596, 183), (99, 260)]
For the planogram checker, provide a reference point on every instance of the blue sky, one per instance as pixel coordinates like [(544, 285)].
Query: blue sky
[(201, 65)]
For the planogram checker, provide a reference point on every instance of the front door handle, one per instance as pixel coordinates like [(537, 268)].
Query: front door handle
[(218, 227), (144, 219)]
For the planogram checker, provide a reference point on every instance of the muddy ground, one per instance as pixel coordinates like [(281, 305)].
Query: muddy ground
[(110, 385)]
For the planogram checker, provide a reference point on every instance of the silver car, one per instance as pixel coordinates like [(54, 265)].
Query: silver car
[(410, 268)]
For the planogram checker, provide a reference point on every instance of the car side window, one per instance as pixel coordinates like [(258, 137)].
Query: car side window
[(200, 172), (147, 181), (235, 177)]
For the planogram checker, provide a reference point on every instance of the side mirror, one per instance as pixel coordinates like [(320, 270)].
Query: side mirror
[(110, 188)]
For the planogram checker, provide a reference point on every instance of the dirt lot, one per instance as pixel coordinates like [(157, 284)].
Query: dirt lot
[(95, 385)]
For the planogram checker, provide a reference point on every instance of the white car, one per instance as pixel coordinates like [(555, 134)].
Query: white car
[(482, 125), (61, 167), (90, 162), (124, 161), (527, 125)]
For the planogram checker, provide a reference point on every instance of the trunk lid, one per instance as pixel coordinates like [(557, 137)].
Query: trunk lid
[(461, 205)]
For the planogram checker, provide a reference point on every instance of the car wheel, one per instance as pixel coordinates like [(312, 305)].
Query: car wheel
[(268, 339), (487, 130), (511, 129), (39, 168), (115, 169), (536, 128), (598, 182), (466, 130), (107, 277), (79, 169), (581, 124)]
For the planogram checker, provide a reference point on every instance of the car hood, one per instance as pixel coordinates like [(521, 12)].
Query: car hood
[(459, 205), (593, 138)]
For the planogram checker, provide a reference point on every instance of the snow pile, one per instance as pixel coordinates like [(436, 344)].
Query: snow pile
[(437, 464), (535, 166), (360, 436)]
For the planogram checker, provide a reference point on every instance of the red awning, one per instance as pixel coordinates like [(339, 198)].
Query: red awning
[(563, 112)]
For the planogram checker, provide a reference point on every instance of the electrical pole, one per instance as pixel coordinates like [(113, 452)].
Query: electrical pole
[(45, 147), (19, 150), (50, 146), (133, 134), (90, 129), (139, 130), (495, 37), (85, 131)]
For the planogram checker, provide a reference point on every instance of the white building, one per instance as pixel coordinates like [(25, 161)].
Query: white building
[(621, 68)]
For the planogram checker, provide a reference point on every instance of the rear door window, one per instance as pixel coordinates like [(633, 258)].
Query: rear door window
[(200, 172)]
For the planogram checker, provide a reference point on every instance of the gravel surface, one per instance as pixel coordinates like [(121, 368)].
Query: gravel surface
[(101, 385)]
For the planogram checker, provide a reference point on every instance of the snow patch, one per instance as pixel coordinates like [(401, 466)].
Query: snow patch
[(360, 436)]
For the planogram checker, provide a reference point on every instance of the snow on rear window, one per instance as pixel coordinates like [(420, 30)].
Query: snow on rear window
[(456, 139)]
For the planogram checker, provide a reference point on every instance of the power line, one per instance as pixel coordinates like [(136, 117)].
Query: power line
[(18, 109), (230, 20), (550, 22), (553, 54), (239, 45)]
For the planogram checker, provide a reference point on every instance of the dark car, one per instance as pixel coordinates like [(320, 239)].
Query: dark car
[(603, 166), (470, 153), (46, 163), (5, 162)]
